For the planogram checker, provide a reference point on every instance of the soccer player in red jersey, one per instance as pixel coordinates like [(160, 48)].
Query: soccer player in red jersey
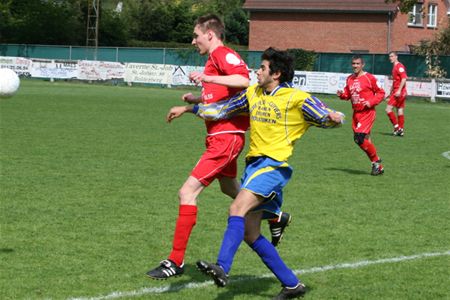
[(397, 96), (225, 74), (363, 90)]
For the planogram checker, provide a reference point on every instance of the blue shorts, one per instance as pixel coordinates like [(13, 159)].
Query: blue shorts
[(266, 177)]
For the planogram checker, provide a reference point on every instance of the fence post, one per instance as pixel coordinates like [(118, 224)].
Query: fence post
[(433, 90), (373, 63), (164, 56)]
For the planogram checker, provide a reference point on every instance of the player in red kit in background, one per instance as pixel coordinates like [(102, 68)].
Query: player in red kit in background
[(224, 75), (363, 90), (397, 96)]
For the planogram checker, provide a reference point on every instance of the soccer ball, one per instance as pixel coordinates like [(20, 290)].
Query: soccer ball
[(9, 83)]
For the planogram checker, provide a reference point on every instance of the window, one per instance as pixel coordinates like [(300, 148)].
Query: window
[(432, 15), (415, 15)]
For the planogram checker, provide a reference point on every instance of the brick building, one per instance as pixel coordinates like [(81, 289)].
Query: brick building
[(343, 26)]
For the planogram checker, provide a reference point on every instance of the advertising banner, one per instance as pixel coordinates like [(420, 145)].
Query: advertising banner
[(148, 73), (100, 70), (22, 66)]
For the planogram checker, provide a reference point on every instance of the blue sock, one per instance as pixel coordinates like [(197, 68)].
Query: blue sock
[(233, 237), (273, 261)]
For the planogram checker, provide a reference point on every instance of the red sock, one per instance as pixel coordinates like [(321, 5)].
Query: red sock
[(392, 118), (187, 218), (401, 121), (370, 150)]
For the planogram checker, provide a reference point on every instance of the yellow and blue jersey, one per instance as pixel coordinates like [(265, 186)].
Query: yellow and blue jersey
[(277, 119)]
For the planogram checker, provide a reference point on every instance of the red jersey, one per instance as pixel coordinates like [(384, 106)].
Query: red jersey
[(364, 87), (398, 73), (224, 61)]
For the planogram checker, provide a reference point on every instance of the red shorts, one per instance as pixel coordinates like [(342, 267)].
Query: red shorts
[(220, 158), (397, 102), (363, 121)]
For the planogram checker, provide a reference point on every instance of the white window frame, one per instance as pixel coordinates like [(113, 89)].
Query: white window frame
[(432, 15), (415, 17)]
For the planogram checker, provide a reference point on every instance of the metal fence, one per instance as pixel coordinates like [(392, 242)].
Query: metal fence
[(325, 62)]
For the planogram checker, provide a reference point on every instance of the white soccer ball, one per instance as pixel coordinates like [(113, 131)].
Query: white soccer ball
[(9, 83)]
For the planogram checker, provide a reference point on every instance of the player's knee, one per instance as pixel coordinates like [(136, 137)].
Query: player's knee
[(186, 197), (359, 138), (250, 238), (237, 210)]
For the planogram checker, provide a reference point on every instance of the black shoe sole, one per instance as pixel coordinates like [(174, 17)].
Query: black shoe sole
[(162, 278), (205, 269)]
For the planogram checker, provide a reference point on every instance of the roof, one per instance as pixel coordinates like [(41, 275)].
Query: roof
[(347, 6)]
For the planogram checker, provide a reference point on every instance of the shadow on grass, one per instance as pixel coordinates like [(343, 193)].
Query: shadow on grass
[(240, 285), (248, 285), (350, 171), (6, 250), (385, 133)]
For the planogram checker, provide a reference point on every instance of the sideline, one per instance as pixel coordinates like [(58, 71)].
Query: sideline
[(196, 285)]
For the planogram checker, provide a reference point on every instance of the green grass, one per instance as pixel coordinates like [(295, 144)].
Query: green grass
[(89, 181)]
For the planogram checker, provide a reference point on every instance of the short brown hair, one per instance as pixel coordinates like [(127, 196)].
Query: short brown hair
[(211, 22), (358, 56)]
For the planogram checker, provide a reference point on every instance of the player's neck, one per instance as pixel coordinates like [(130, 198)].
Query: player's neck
[(360, 73), (268, 89), (214, 45)]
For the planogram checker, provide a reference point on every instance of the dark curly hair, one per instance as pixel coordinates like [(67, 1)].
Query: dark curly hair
[(279, 61)]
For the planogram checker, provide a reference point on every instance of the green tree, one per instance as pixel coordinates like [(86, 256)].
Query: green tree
[(432, 50), (233, 15), (64, 21), (41, 22), (112, 29), (164, 21)]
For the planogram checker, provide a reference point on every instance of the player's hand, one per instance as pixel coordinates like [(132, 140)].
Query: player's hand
[(196, 77), (397, 94), (366, 103), (339, 93), (190, 98), (175, 112), (336, 117)]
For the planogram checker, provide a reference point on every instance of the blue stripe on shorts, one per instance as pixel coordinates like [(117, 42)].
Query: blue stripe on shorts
[(266, 177)]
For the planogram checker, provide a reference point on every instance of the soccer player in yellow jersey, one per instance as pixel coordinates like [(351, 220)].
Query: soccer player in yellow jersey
[(279, 115)]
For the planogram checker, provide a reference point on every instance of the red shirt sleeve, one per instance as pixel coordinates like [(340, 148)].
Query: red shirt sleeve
[(401, 71), (378, 92), (228, 62), (346, 92)]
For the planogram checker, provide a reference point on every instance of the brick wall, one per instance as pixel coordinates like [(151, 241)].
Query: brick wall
[(333, 32), (404, 35), (319, 32)]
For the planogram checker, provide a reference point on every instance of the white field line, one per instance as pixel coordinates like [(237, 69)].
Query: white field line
[(197, 285), (446, 154)]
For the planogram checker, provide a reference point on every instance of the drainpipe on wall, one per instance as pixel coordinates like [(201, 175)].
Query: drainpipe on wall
[(389, 32)]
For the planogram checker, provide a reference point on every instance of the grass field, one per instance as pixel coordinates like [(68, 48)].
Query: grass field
[(89, 181)]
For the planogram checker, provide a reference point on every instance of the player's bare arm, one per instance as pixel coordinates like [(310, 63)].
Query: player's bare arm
[(233, 81), (190, 98), (177, 111)]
